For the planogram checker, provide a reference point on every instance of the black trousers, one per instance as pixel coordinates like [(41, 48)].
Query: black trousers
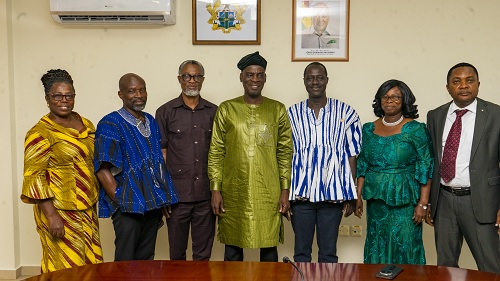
[(198, 217), (234, 253), (135, 235)]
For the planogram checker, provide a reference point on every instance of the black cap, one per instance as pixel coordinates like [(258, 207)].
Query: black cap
[(252, 59)]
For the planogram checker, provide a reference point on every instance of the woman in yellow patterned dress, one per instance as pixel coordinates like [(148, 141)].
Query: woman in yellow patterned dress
[(59, 179)]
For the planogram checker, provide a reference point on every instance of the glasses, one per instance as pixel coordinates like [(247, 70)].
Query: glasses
[(187, 77), (59, 97), (395, 99)]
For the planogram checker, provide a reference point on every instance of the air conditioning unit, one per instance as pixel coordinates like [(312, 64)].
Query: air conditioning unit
[(103, 12)]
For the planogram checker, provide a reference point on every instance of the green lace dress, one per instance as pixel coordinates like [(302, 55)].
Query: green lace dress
[(394, 168)]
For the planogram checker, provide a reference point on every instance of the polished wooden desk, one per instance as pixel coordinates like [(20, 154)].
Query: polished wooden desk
[(355, 272), (219, 270)]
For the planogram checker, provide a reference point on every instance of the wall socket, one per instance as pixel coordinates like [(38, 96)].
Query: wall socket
[(344, 230), (356, 230)]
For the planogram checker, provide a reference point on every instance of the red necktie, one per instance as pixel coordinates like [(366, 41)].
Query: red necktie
[(449, 161)]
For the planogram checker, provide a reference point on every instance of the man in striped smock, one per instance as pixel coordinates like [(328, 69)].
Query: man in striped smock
[(326, 139)]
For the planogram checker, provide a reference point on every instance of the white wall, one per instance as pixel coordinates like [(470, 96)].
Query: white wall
[(9, 238), (414, 41)]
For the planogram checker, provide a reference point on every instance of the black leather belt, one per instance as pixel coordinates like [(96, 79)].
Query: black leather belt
[(458, 191)]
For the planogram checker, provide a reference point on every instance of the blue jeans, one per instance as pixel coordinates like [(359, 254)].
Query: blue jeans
[(323, 216)]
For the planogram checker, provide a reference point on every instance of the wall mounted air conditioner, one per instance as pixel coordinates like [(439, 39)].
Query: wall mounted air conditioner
[(104, 12)]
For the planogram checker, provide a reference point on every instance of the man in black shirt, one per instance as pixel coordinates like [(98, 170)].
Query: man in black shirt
[(186, 126)]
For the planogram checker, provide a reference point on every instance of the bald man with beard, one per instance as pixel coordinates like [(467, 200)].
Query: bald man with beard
[(135, 184)]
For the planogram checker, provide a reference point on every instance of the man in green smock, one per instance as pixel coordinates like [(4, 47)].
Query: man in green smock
[(249, 167)]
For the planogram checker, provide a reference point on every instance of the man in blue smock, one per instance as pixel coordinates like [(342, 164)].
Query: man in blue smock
[(136, 186)]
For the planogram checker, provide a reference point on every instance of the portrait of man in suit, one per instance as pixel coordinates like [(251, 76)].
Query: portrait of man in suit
[(319, 36), (465, 191)]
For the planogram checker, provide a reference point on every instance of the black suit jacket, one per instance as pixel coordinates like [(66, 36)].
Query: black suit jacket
[(484, 162)]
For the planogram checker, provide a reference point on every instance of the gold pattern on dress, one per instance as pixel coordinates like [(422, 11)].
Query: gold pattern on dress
[(265, 135)]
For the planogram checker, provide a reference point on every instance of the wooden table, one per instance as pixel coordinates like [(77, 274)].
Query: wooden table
[(219, 270), (355, 272)]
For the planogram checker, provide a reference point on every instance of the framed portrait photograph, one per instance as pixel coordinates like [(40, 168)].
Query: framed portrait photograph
[(320, 30), (226, 22)]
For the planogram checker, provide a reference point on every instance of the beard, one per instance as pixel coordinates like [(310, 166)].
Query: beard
[(139, 107), (192, 93)]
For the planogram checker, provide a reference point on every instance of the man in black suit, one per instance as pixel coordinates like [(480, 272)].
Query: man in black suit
[(466, 201)]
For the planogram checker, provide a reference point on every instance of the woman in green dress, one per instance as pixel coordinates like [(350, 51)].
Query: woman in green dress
[(394, 170)]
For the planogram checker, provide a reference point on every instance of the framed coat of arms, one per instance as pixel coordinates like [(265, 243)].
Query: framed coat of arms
[(226, 22)]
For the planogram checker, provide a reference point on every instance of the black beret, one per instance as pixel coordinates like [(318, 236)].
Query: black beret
[(252, 59)]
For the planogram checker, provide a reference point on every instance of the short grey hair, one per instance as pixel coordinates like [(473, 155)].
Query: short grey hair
[(186, 62)]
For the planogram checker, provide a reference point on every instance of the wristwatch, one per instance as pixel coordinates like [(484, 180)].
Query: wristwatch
[(423, 206)]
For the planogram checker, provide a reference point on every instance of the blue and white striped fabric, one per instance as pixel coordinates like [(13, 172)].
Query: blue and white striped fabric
[(322, 147)]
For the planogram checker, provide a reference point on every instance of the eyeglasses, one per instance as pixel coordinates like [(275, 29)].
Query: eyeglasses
[(59, 97), (187, 77), (395, 99)]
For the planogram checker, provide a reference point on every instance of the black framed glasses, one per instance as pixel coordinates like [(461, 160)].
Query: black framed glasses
[(187, 77), (59, 97), (395, 99)]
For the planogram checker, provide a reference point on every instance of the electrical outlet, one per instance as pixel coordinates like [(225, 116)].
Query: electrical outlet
[(344, 230), (356, 231)]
